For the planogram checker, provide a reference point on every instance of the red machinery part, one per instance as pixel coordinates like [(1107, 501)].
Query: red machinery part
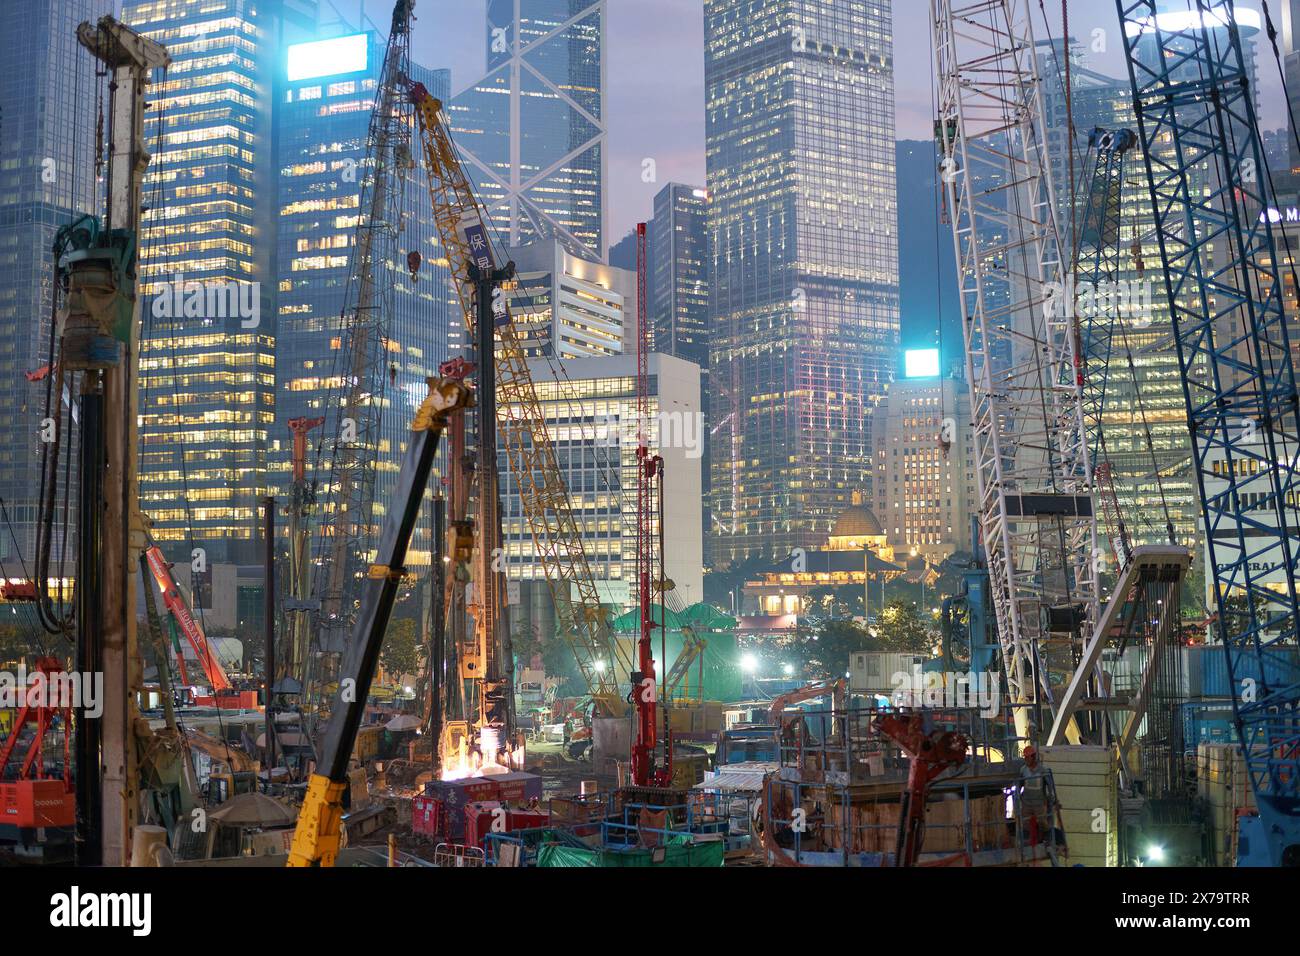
[(932, 753), (162, 574), (36, 800)]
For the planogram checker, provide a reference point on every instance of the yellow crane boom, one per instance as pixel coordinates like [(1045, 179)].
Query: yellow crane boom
[(523, 433)]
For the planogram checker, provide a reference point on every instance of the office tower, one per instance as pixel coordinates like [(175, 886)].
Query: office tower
[(48, 110), (321, 121), (678, 273), (804, 274), (207, 362), (590, 408), (930, 310), (622, 254), (924, 487), (532, 131), (570, 306)]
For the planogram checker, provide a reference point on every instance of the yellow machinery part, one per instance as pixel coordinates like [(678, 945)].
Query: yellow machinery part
[(320, 824)]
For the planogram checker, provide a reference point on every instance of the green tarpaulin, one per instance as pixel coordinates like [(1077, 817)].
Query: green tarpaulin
[(675, 854)]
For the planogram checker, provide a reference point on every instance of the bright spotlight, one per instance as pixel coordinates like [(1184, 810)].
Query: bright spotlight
[(749, 663), (1155, 854), (787, 669)]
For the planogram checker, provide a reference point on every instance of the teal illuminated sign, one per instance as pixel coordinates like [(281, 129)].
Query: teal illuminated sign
[(333, 57), (921, 363)]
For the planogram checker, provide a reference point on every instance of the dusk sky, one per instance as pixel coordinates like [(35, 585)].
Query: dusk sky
[(655, 74)]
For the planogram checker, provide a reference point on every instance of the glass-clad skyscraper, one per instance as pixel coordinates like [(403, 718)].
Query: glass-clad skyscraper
[(322, 120), (47, 178), (1144, 414), (803, 227), (207, 361), (532, 130), (678, 303)]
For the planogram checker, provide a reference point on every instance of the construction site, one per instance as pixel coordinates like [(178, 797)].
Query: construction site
[(1066, 711)]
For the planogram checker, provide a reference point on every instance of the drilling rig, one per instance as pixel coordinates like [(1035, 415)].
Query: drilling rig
[(519, 426)]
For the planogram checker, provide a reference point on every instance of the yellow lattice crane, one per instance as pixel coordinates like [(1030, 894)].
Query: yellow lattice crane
[(523, 433)]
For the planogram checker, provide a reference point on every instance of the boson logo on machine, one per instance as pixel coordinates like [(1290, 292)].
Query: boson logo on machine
[(76, 909)]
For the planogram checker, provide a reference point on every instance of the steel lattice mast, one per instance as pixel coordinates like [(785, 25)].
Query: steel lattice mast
[(1097, 275), (1192, 95), (364, 322), (523, 432), (1022, 361)]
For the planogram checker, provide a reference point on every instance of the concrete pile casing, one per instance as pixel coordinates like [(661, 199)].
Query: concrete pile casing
[(1086, 789), (1223, 783)]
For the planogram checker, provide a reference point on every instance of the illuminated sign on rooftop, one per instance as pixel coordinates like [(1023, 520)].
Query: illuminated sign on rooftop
[(347, 54), (921, 363)]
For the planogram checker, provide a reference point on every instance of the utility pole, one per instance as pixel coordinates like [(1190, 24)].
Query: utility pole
[(299, 605), (111, 363)]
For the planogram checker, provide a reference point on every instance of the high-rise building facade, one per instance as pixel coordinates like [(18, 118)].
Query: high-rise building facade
[(804, 262), (678, 301), (590, 409), (322, 119), (48, 113), (532, 130), (924, 486), (571, 306), (207, 357)]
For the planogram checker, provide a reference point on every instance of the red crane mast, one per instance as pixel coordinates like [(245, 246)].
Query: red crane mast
[(649, 469)]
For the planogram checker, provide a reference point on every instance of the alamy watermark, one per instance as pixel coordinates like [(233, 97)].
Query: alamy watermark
[(57, 689), (210, 299), (676, 429), (1131, 299), (951, 689)]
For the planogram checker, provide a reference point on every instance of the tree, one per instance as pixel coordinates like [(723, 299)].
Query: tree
[(836, 641), (401, 650), (902, 630)]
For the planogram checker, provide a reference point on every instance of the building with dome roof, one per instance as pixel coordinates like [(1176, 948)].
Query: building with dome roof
[(856, 553)]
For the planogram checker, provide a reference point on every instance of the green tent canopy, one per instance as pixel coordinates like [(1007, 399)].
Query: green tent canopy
[(706, 617), (630, 623)]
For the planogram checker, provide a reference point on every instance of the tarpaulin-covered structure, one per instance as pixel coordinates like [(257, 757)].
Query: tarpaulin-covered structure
[(713, 674)]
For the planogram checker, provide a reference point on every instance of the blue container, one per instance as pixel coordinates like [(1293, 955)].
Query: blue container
[(1281, 667)]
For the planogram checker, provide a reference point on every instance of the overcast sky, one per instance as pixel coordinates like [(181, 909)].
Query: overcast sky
[(655, 77)]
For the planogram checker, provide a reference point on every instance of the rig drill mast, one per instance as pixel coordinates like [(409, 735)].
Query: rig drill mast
[(365, 332), (522, 431), (1022, 364)]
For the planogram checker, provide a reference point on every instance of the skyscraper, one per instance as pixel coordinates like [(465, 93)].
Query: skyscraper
[(207, 363), (321, 121), (568, 306), (804, 272), (47, 178), (590, 407), (678, 273), (532, 131), (924, 487)]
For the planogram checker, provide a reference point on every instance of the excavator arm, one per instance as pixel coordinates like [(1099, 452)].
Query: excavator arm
[(185, 620), (316, 839)]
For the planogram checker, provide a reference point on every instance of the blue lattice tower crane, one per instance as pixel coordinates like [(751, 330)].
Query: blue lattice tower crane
[(1097, 271), (1195, 113)]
